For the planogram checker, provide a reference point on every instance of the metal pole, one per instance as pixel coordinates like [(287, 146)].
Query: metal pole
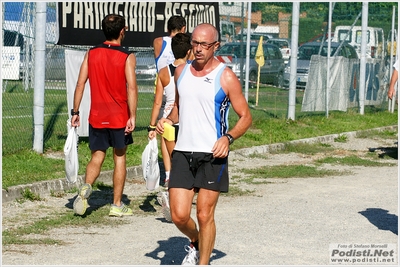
[(364, 25), (38, 97), (241, 44), (293, 60), (328, 59), (246, 90), (392, 102)]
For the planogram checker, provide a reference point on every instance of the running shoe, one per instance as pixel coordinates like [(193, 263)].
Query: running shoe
[(81, 203), (163, 200), (192, 258), (123, 210), (159, 198), (165, 206)]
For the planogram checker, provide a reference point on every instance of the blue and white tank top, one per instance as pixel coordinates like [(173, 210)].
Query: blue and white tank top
[(166, 56), (203, 110)]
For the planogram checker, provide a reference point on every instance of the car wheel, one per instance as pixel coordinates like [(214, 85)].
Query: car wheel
[(279, 80), (252, 79)]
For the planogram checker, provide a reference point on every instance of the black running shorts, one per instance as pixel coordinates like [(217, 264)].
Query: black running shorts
[(198, 170), (102, 139)]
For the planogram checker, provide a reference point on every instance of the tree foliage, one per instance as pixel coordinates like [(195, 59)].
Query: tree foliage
[(381, 11)]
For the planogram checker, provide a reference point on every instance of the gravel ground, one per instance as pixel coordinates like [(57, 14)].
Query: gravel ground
[(284, 222)]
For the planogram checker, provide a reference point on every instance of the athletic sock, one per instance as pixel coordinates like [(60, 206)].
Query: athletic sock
[(195, 244)]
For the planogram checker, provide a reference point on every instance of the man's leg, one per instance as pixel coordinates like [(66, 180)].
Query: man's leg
[(119, 174), (92, 172), (206, 204), (180, 200), (94, 166)]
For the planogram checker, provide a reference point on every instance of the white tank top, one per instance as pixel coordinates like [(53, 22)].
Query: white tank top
[(169, 91), (166, 56), (203, 110)]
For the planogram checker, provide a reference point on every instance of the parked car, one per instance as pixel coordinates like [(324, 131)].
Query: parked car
[(55, 63), (254, 36), (145, 66), (284, 45), (271, 72), (304, 57)]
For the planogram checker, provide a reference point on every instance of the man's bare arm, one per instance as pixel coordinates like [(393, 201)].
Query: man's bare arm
[(132, 92)]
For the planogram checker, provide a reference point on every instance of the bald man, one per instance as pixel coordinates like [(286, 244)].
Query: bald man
[(205, 89)]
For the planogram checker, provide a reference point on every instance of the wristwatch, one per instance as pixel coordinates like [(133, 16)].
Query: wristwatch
[(74, 112), (151, 128), (230, 138)]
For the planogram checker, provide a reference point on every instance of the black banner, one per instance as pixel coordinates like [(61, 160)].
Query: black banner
[(80, 22)]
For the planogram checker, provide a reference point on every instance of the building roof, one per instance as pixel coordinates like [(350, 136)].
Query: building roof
[(267, 29)]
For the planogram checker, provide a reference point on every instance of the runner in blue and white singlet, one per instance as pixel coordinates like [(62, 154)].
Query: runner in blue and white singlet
[(201, 98), (166, 56)]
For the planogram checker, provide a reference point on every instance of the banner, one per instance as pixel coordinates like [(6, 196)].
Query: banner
[(80, 22), (73, 62), (10, 62)]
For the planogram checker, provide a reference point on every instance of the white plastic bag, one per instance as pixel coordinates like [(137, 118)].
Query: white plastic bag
[(71, 154), (151, 170)]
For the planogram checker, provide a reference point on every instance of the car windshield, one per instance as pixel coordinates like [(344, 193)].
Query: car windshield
[(235, 50), (279, 43), (306, 51)]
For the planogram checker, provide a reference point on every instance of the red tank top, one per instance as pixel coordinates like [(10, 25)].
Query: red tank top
[(108, 92)]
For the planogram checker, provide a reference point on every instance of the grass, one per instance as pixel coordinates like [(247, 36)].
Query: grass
[(341, 138), (141, 206), (353, 161), (20, 165), (391, 135), (305, 148), (288, 171)]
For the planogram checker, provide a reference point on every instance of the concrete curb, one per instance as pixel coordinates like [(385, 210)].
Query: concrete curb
[(46, 187)]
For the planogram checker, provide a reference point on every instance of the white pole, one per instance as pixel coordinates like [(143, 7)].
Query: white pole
[(246, 87), (392, 102), (293, 60), (38, 97), (364, 25), (328, 67)]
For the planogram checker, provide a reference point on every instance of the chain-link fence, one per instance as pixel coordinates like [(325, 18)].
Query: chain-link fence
[(270, 20)]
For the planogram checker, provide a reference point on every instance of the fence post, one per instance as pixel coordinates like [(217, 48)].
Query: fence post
[(364, 25), (38, 97), (293, 61)]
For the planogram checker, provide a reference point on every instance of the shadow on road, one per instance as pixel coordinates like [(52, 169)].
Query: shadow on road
[(172, 252), (386, 151), (382, 219), (100, 197)]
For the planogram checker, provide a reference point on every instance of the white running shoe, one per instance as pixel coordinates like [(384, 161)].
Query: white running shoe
[(81, 201), (192, 258), (165, 206)]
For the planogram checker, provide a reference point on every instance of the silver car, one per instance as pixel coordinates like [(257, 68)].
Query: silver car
[(284, 45), (304, 57), (272, 71), (145, 66)]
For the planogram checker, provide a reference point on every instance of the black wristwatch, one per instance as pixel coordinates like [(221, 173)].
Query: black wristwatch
[(230, 138), (74, 112), (151, 128)]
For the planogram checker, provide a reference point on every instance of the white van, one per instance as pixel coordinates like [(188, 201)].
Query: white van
[(375, 40)]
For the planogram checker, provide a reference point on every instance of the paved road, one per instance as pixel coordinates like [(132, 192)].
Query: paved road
[(285, 222)]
